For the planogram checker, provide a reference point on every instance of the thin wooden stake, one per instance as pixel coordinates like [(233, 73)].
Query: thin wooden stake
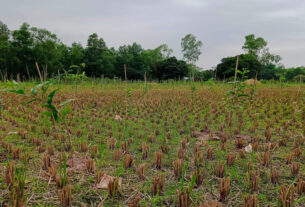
[(236, 69), (38, 70), (125, 72)]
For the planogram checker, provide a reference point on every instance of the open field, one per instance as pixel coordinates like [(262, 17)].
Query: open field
[(164, 144)]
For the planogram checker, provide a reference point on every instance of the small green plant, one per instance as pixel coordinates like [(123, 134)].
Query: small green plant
[(74, 77), (145, 89), (44, 98), (17, 191), (63, 180), (1, 105), (238, 93), (120, 170), (128, 92), (193, 89)]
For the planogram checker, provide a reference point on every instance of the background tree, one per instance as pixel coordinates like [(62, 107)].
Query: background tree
[(76, 54), (21, 48), (22, 51), (4, 49), (191, 50), (293, 74), (107, 61), (93, 55), (226, 69), (153, 56), (254, 46), (45, 50), (132, 56), (171, 68), (257, 47)]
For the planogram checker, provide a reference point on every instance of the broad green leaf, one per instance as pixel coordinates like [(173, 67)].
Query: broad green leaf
[(54, 112), (15, 83), (47, 113), (74, 66), (241, 95), (34, 91), (20, 91), (42, 84), (30, 101), (9, 83), (65, 111), (66, 102), (51, 95)]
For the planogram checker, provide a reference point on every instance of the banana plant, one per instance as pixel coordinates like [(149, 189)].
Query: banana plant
[(39, 94)]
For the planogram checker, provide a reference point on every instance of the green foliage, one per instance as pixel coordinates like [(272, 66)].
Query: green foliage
[(226, 68), (21, 48), (236, 96), (171, 68), (191, 51), (1, 105), (63, 170), (4, 47), (75, 74), (204, 75), (257, 47), (254, 45), (43, 98), (191, 48)]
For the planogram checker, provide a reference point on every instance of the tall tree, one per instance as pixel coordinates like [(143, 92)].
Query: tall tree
[(22, 49), (4, 49), (76, 54), (95, 47), (45, 49), (226, 69), (191, 50), (171, 68), (258, 48), (132, 56), (107, 61), (153, 56), (254, 46)]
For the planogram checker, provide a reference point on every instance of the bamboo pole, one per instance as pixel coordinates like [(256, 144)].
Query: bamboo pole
[(125, 72), (38, 70), (236, 67)]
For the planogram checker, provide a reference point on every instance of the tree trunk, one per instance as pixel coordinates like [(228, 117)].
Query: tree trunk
[(27, 70)]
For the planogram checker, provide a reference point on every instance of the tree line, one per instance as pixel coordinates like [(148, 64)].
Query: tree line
[(20, 49), (260, 62)]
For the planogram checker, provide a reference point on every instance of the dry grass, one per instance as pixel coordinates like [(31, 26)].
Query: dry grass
[(168, 148)]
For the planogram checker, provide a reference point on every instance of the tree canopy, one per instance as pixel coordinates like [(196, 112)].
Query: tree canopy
[(20, 49)]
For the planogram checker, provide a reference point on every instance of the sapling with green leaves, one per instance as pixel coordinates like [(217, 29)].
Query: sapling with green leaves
[(40, 94), (238, 94)]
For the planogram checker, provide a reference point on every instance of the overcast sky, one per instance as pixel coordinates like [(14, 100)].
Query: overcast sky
[(220, 24)]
